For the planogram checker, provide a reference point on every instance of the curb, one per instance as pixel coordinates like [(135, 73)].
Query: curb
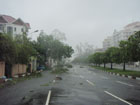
[(126, 76)]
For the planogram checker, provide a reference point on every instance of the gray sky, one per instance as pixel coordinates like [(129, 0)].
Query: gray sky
[(82, 20)]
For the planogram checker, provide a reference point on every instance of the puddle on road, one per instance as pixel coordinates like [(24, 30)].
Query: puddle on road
[(35, 99)]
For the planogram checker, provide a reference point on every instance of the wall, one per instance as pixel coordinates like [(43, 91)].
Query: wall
[(18, 69), (2, 69)]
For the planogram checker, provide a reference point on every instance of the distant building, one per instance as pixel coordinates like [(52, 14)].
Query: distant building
[(118, 36), (13, 26), (108, 42)]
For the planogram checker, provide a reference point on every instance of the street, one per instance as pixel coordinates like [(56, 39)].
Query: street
[(82, 85)]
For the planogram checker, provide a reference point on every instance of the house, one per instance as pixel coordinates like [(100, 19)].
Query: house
[(12, 26)]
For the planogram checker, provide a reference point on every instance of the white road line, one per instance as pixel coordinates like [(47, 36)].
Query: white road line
[(48, 98), (124, 83), (90, 83), (118, 98)]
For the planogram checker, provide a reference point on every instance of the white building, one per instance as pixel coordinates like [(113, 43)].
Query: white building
[(118, 36), (108, 42), (13, 26)]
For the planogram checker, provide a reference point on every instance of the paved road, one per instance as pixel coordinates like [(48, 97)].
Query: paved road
[(80, 86), (87, 86)]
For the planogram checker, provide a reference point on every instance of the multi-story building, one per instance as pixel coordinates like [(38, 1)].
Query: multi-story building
[(118, 36), (13, 26), (108, 42)]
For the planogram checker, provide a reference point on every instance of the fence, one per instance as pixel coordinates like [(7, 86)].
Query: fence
[(18, 69), (2, 69)]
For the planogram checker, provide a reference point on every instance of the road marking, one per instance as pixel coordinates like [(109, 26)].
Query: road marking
[(124, 83), (118, 98), (48, 98), (90, 83)]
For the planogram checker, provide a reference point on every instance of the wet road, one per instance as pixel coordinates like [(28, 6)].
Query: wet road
[(87, 86), (80, 86)]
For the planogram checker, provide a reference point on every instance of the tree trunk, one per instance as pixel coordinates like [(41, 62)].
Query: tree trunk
[(123, 66), (104, 65), (111, 65)]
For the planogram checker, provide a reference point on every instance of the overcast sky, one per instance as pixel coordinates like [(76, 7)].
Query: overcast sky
[(82, 20)]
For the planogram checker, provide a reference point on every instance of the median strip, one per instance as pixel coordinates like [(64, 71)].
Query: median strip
[(118, 98)]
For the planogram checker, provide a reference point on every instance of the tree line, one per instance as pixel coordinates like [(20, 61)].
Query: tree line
[(128, 51), (21, 48)]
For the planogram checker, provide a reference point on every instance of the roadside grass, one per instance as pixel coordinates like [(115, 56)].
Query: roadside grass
[(20, 79), (59, 70), (120, 71), (47, 84)]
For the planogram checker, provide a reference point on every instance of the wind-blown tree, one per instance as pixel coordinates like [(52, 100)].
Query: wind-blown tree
[(104, 58), (24, 49), (113, 54), (7, 49), (83, 51), (48, 46), (124, 52), (96, 58)]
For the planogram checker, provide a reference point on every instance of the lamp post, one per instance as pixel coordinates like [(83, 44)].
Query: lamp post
[(33, 32)]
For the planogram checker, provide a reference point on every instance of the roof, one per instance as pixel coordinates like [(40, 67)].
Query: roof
[(10, 19), (7, 18), (28, 25), (133, 24)]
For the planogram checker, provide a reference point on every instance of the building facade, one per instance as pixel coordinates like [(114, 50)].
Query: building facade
[(108, 42), (114, 40), (13, 26)]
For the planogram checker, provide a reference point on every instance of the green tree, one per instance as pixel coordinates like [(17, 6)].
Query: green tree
[(24, 49), (48, 46), (104, 58), (113, 55), (96, 58), (134, 47), (124, 53), (7, 49)]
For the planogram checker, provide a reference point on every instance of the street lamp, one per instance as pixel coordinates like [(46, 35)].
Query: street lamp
[(33, 32)]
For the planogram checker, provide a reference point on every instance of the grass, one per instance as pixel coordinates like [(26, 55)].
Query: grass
[(120, 71), (47, 84), (59, 70), (16, 80)]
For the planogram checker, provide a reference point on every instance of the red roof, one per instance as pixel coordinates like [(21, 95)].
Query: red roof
[(27, 25), (9, 19)]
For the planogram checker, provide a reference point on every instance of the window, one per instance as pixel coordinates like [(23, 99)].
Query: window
[(22, 30), (10, 30), (1, 27), (15, 29)]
